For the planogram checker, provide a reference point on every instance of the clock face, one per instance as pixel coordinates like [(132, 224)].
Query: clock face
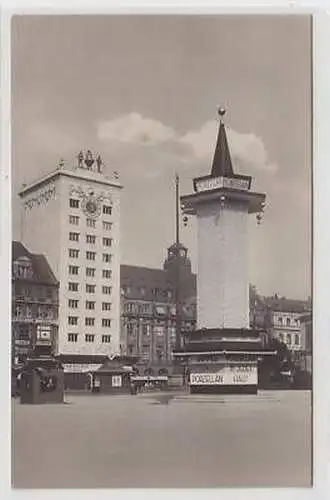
[(91, 207)]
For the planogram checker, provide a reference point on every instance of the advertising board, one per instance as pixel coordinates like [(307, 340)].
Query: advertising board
[(228, 375)]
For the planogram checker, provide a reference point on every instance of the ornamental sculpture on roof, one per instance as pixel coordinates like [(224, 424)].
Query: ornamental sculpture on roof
[(89, 162)]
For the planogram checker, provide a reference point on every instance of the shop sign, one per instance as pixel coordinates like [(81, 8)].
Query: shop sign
[(228, 375)]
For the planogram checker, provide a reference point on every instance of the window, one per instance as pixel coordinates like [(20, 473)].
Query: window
[(90, 238), (73, 253), (155, 291), (280, 320), (72, 337), (73, 287), (73, 203), (287, 321), (90, 222), (89, 321), (73, 320), (107, 242), (90, 255), (106, 322), (106, 290), (73, 270), (90, 288), (90, 304), (144, 308), (106, 273), (73, 303), (106, 339), (107, 226), (106, 257), (73, 236), (106, 306), (296, 339), (107, 209), (74, 219), (288, 338), (130, 307), (146, 329), (90, 271), (89, 337), (142, 290)]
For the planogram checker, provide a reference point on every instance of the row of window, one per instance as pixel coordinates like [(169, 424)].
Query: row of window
[(106, 209), (106, 257), (74, 304), (91, 239), (289, 321), (74, 253), (74, 220), (90, 272), (73, 320), (74, 287), (73, 337)]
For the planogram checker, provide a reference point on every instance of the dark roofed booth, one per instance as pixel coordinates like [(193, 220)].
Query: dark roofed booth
[(42, 381)]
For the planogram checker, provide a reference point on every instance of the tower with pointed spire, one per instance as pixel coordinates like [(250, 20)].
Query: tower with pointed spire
[(222, 203)]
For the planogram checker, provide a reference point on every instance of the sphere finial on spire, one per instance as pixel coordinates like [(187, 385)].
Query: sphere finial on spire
[(221, 111)]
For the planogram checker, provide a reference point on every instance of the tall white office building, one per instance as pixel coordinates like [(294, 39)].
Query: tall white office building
[(72, 216)]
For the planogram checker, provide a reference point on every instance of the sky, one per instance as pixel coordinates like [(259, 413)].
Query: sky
[(143, 92)]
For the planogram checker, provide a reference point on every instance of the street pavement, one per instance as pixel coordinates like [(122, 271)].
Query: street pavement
[(189, 441)]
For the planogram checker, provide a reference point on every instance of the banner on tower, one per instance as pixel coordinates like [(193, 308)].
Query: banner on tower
[(211, 183)]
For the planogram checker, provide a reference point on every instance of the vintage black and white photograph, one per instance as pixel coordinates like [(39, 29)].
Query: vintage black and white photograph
[(161, 253)]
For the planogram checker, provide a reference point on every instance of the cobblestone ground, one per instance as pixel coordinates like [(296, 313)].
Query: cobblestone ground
[(134, 441)]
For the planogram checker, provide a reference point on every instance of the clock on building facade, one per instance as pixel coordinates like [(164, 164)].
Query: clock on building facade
[(91, 207)]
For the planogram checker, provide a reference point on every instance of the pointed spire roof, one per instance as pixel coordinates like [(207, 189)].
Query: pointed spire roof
[(222, 164)]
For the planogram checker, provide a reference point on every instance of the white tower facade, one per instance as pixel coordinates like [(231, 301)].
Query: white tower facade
[(222, 203), (222, 281), (72, 216)]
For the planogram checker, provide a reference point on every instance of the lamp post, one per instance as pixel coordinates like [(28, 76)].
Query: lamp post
[(178, 319)]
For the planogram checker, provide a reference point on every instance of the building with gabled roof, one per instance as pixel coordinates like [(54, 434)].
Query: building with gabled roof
[(34, 303)]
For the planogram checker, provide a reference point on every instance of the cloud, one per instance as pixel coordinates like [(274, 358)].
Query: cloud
[(161, 147), (246, 149), (135, 129)]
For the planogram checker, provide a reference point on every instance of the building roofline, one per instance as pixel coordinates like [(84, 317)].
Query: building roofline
[(68, 173)]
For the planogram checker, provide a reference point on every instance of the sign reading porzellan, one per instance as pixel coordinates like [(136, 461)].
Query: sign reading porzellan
[(245, 375), (212, 183)]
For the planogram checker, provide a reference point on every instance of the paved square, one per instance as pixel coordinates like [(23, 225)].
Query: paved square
[(194, 441)]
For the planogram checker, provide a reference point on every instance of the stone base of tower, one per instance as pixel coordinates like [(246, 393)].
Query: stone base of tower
[(222, 360)]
